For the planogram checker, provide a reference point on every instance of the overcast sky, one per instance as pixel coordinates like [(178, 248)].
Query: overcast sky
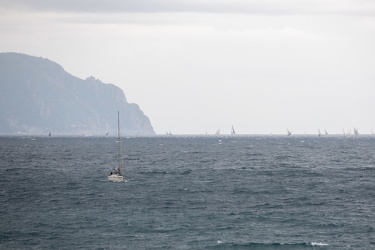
[(194, 66)]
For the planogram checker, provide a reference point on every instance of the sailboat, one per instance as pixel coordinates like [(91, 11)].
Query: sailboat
[(289, 133), (217, 132), (355, 132), (232, 131), (117, 175)]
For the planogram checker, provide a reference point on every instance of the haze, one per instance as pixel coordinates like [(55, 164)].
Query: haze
[(197, 66)]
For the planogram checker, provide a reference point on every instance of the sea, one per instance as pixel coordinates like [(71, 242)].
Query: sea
[(188, 192)]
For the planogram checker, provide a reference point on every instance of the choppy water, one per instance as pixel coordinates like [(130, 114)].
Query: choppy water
[(188, 193)]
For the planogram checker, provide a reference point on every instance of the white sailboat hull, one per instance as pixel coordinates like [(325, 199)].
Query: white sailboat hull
[(116, 178)]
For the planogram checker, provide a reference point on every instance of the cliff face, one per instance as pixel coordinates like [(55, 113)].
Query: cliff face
[(37, 96)]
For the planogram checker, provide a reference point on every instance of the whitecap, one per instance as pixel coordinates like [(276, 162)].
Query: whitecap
[(320, 244)]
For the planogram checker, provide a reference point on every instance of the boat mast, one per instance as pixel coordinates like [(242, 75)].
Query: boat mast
[(121, 157)]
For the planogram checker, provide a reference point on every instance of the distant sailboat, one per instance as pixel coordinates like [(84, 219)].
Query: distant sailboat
[(169, 133), (289, 133), (325, 132), (49, 134), (355, 132), (232, 131), (116, 175), (217, 132), (349, 132), (319, 134)]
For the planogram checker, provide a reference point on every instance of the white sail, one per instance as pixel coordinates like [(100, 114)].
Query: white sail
[(289, 133), (355, 132), (232, 131)]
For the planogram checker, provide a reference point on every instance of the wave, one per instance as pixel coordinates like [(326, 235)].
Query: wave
[(320, 244), (157, 172), (274, 245)]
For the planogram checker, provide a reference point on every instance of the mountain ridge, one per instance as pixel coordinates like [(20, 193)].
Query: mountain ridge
[(38, 96)]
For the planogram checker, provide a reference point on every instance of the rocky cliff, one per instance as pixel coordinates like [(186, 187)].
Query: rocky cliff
[(38, 96)]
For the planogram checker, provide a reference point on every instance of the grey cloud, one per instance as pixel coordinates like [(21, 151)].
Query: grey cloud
[(270, 7)]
